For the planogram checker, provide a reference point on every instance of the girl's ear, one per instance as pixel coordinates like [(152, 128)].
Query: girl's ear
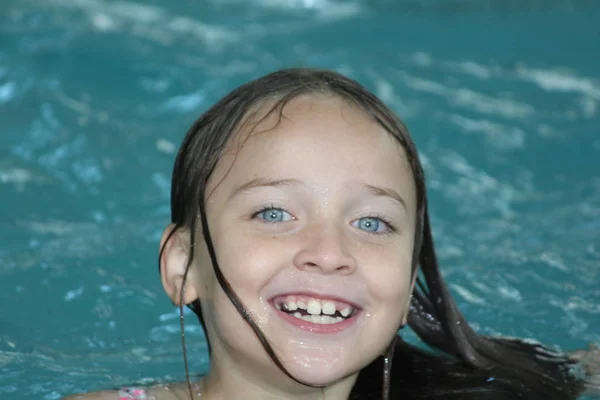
[(175, 246)]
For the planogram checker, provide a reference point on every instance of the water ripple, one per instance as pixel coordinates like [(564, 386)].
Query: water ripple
[(96, 95)]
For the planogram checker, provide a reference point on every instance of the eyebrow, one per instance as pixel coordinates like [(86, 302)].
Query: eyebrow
[(266, 182), (262, 182), (386, 192)]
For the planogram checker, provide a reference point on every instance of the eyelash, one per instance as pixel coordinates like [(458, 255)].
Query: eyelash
[(386, 220), (261, 209)]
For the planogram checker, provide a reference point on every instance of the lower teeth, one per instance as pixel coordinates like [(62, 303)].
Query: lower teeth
[(318, 319)]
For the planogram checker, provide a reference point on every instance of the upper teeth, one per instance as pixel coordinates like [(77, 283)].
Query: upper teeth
[(315, 307)]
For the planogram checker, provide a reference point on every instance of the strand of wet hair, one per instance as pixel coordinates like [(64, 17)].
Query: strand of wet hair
[(387, 368), (183, 344), (236, 301), (180, 306), (181, 316)]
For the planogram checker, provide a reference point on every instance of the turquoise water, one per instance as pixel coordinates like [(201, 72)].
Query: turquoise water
[(502, 98)]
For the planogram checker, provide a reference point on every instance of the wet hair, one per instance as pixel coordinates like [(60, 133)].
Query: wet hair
[(457, 363)]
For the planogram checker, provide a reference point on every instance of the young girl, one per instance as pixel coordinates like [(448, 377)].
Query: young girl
[(301, 239)]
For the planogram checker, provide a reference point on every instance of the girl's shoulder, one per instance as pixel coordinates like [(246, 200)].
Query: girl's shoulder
[(102, 395)]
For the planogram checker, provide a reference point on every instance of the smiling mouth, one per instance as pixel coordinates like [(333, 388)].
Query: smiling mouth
[(314, 310)]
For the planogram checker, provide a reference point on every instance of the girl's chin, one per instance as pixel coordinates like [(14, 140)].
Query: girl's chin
[(321, 364), (320, 376)]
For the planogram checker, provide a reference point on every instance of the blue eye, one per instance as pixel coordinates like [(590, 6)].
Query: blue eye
[(372, 225), (274, 215)]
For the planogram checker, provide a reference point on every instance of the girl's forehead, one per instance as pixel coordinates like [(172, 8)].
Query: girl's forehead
[(311, 111), (313, 135)]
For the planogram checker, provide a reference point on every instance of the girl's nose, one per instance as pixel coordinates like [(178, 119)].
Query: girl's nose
[(326, 251)]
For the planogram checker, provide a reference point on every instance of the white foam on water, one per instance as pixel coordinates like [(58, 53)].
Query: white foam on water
[(73, 294), (150, 22), (509, 293), (547, 131), (471, 68), (324, 10), (560, 81), (552, 80), (576, 304), (19, 176), (501, 136), (166, 146), (475, 191), (511, 109), (386, 91), (8, 91), (103, 22), (185, 102), (421, 58), (553, 260), (467, 295), (425, 85), (470, 99), (549, 80), (61, 228)]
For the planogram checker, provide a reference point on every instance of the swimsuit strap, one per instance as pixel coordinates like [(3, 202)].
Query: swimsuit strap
[(128, 393)]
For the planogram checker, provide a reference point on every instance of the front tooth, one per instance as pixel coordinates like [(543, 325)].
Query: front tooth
[(315, 319), (291, 306), (345, 312), (314, 307), (297, 315), (301, 304), (328, 308), (326, 319)]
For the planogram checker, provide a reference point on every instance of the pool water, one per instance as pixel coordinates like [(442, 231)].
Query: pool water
[(502, 98)]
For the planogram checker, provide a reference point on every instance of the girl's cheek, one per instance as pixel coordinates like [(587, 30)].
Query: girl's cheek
[(388, 278)]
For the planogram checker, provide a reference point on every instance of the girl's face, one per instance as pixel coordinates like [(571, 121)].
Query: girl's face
[(313, 221)]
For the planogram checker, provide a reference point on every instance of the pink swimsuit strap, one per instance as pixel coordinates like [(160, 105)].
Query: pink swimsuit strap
[(128, 393)]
